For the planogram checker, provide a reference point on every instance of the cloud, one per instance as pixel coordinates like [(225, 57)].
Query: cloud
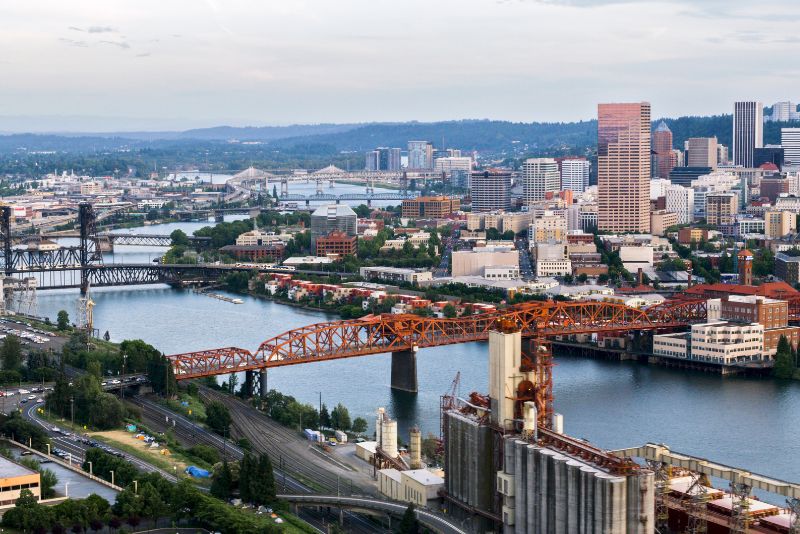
[(73, 42), (101, 29), (144, 54), (120, 44), (75, 29)]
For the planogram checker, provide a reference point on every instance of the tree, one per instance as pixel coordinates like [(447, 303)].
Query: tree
[(11, 353), (221, 485), (340, 418), (359, 425), (218, 418), (449, 311), (324, 417), (409, 523), (275, 192), (784, 362), (48, 479), (179, 238), (62, 320), (265, 482)]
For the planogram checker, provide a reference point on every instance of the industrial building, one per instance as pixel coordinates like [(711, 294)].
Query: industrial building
[(510, 468)]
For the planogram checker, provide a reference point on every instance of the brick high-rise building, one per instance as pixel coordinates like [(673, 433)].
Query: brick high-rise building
[(663, 158), (623, 167)]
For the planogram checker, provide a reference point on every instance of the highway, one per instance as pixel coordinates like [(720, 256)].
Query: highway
[(432, 520), (77, 447)]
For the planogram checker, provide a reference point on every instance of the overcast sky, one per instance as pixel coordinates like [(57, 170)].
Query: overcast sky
[(167, 64)]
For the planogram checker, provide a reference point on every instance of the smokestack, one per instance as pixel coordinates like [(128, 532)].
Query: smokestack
[(640, 276), (415, 448)]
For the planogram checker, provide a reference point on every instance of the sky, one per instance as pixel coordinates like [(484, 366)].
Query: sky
[(114, 65)]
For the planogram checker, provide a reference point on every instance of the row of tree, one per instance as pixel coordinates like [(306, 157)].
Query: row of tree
[(252, 478)]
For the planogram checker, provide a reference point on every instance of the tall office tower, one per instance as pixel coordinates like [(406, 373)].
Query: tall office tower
[(539, 176), (420, 155), (394, 159), (373, 160), (790, 141), (575, 174), (702, 152), (748, 131), (623, 167), (662, 151), (490, 190)]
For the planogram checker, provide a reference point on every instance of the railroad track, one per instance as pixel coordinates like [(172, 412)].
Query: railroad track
[(190, 433), (281, 443)]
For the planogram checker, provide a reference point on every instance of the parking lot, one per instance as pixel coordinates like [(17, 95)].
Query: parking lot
[(31, 337)]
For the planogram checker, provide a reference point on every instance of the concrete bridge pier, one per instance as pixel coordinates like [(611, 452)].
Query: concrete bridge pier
[(248, 383), (262, 383), (404, 370)]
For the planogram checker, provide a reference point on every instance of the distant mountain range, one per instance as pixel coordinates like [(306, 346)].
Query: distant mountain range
[(502, 137)]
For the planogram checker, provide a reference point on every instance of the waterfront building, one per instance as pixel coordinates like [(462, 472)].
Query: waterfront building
[(14, 478), (447, 165), (623, 167)]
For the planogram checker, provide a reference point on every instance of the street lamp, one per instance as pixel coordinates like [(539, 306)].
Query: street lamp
[(136, 486), (72, 409), (90, 468), (112, 478), (66, 489)]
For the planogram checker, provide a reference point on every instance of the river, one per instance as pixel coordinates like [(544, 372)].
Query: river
[(747, 422)]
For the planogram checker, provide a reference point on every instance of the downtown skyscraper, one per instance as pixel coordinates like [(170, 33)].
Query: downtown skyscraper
[(663, 157), (748, 131), (623, 167)]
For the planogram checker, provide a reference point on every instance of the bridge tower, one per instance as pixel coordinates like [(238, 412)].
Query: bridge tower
[(284, 186), (5, 224), (89, 246), (319, 186), (370, 185)]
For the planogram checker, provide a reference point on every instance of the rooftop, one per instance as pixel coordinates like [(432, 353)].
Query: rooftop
[(424, 477), (9, 469), (333, 210)]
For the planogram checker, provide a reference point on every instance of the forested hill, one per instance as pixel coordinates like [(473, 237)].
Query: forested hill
[(500, 135)]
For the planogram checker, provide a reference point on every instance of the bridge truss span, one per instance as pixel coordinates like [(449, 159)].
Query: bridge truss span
[(403, 332)]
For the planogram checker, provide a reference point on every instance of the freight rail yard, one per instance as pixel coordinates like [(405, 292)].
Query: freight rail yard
[(508, 466)]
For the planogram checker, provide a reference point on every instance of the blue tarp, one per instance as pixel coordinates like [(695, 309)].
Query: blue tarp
[(196, 472)]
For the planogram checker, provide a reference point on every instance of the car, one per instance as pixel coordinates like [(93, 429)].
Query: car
[(23, 392), (31, 397)]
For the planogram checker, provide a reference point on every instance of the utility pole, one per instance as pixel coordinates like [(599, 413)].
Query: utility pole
[(72, 409)]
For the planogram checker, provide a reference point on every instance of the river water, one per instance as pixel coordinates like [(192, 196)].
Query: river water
[(752, 423)]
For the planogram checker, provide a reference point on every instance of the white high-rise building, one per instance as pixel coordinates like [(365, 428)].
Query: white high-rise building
[(539, 176), (449, 164), (790, 141), (680, 200), (784, 112), (748, 131), (575, 174), (658, 187)]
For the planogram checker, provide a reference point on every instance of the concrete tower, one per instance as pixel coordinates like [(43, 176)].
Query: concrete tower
[(623, 167)]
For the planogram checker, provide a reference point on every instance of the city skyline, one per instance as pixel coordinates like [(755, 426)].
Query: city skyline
[(272, 64)]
